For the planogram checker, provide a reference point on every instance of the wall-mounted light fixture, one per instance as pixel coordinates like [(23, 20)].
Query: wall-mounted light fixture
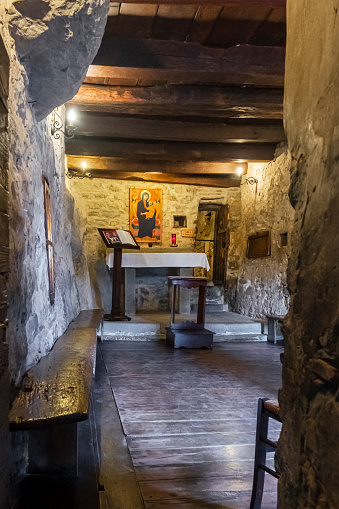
[(81, 174), (57, 125), (250, 180)]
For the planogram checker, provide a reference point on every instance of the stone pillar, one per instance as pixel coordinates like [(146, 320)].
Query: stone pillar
[(309, 442)]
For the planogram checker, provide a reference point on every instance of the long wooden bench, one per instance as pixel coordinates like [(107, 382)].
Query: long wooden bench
[(54, 396)]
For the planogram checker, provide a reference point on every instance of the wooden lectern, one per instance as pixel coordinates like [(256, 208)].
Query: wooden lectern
[(118, 240)]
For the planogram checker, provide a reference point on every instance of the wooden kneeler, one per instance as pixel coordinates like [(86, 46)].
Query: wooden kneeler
[(267, 409), (189, 334)]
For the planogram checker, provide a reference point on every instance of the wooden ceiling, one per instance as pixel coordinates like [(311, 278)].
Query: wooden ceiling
[(187, 90)]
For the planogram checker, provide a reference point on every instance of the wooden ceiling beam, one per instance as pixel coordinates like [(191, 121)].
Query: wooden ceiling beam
[(100, 125), (116, 164), (224, 182), (227, 3), (169, 151), (232, 102), (145, 62)]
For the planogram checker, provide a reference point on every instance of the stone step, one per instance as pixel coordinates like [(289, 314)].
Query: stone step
[(213, 307), (234, 328), (153, 328), (130, 329)]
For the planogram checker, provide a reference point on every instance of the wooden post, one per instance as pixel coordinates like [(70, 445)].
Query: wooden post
[(116, 312)]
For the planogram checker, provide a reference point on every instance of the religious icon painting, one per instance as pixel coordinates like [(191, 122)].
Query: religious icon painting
[(146, 214)]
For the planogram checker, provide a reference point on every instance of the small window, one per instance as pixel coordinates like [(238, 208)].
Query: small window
[(49, 239), (259, 245), (179, 221), (283, 239)]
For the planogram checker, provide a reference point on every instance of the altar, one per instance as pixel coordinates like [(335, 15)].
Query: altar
[(134, 260)]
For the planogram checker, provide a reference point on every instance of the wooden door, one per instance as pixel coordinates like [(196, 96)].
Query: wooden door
[(204, 240), (221, 244), (4, 270)]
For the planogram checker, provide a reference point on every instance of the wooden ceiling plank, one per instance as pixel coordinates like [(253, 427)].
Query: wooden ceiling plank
[(118, 164), (145, 53), (178, 100), (273, 30), (113, 9), (235, 3), (203, 24), (173, 23), (188, 63), (170, 151), (236, 25), (89, 124), (136, 19)]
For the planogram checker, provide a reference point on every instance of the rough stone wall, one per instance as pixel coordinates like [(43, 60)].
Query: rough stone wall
[(261, 284), (34, 323), (309, 443), (56, 41), (104, 203)]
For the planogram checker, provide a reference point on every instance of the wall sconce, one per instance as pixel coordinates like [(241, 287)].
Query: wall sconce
[(174, 240), (250, 180), (71, 174), (57, 125)]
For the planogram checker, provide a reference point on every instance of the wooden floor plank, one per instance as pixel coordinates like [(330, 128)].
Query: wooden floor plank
[(196, 470), (232, 500), (195, 440), (216, 488), (166, 428), (189, 417), (189, 455)]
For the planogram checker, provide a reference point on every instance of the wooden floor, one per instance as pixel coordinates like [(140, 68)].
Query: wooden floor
[(176, 428)]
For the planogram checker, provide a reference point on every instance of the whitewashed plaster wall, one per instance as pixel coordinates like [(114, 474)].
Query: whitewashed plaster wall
[(261, 284), (105, 203)]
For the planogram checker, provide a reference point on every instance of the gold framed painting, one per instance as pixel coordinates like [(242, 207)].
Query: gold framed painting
[(146, 214)]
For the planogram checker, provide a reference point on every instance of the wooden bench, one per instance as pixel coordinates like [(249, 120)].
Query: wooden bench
[(54, 396), (272, 322)]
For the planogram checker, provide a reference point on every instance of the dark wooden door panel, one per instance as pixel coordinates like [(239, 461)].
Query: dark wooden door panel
[(221, 246)]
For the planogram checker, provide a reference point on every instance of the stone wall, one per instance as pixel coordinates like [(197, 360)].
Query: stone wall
[(309, 443), (105, 203), (34, 323), (261, 284), (254, 286)]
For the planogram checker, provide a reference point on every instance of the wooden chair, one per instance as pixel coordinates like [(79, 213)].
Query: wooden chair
[(267, 409)]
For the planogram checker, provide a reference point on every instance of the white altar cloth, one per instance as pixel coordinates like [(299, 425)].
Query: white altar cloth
[(135, 260)]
